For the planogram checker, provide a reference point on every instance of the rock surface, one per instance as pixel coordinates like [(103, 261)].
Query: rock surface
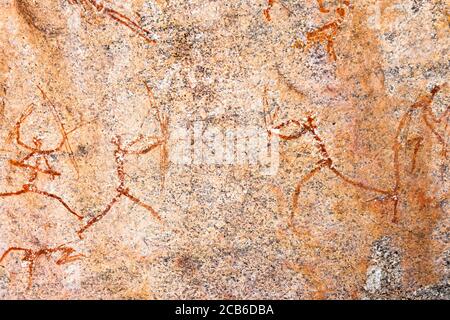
[(173, 149)]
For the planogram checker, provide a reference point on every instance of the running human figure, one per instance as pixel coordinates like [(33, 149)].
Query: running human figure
[(121, 151), (37, 160), (30, 256), (308, 126), (328, 32), (101, 8)]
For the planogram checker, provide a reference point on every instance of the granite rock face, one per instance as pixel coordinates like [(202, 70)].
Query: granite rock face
[(172, 149)]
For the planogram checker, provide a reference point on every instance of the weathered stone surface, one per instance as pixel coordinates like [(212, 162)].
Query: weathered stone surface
[(156, 149)]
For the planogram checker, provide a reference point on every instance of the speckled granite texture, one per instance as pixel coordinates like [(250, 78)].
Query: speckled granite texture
[(129, 167)]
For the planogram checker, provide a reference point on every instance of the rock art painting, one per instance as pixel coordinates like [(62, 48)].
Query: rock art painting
[(280, 149)]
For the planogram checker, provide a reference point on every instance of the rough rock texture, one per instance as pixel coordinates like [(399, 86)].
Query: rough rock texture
[(349, 98)]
